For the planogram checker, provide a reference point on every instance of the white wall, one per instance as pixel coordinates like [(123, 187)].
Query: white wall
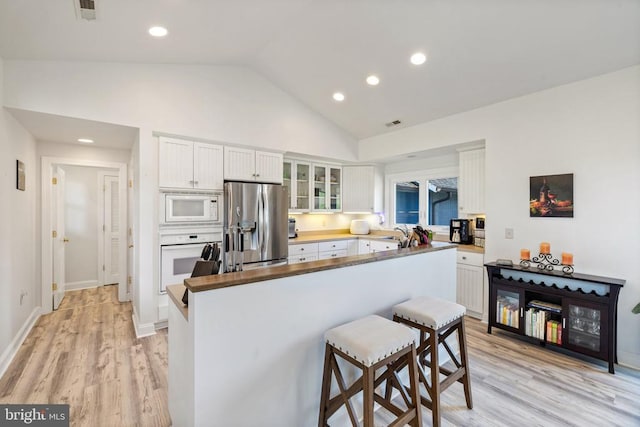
[(17, 235), (589, 128), (81, 220)]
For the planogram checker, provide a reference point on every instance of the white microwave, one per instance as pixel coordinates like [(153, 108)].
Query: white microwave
[(185, 208)]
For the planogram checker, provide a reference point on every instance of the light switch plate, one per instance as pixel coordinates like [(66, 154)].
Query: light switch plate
[(508, 233)]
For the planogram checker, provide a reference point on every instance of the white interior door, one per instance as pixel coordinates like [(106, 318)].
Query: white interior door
[(111, 229), (59, 238)]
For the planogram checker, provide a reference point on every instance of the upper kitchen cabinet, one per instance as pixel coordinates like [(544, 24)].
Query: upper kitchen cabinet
[(241, 164), (296, 178), (362, 189), (471, 182), (327, 182), (189, 165)]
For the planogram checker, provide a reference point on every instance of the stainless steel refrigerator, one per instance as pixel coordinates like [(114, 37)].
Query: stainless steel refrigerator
[(255, 225)]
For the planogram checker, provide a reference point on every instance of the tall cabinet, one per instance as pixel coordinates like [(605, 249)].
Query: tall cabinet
[(471, 181)]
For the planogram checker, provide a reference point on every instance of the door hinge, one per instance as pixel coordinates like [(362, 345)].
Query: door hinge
[(54, 234), (103, 267), (128, 280), (54, 181), (130, 183), (54, 286), (103, 228)]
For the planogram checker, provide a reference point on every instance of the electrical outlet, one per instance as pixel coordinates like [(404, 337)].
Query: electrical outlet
[(508, 233)]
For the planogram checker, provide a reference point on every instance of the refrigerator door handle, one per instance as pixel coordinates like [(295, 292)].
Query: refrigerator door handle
[(261, 220)]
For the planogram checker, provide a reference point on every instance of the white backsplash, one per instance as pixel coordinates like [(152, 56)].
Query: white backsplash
[(338, 221)]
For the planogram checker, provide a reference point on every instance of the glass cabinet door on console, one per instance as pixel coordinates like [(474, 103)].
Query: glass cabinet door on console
[(319, 187), (509, 307), (585, 326)]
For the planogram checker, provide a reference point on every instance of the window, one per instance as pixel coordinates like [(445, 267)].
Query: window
[(425, 198)]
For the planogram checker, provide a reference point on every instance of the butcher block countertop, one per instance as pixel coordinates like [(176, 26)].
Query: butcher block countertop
[(206, 283)]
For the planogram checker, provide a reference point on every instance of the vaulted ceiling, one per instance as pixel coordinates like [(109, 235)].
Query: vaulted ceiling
[(479, 51)]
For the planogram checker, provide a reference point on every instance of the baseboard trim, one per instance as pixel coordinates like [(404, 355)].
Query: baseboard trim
[(14, 346), (142, 329), (629, 360), (83, 284)]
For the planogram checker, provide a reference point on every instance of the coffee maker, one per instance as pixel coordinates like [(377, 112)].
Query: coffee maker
[(459, 231)]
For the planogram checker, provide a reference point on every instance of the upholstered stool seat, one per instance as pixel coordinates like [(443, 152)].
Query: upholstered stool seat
[(371, 343), (437, 319)]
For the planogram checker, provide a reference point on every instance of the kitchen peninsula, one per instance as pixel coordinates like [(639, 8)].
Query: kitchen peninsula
[(249, 348)]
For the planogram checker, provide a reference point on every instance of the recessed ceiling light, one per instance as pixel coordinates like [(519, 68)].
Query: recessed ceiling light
[(373, 80), (85, 140), (418, 58), (158, 31), (338, 96)]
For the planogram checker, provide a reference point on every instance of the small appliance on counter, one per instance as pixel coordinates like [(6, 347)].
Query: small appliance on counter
[(359, 226), (459, 231), (292, 228), (478, 234)]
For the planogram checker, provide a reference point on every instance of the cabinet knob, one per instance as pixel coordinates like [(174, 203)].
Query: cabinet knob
[(302, 249), (195, 182), (257, 174), (464, 257)]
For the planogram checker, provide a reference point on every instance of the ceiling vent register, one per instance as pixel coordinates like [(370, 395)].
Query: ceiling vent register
[(86, 9), (393, 123)]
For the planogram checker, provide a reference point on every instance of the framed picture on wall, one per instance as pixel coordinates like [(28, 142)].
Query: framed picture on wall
[(20, 177), (551, 196)]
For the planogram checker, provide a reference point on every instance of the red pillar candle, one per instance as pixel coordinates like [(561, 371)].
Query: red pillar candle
[(545, 248), (525, 254), (567, 258)]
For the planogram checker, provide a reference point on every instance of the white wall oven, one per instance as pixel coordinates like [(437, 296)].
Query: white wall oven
[(189, 208), (180, 249)]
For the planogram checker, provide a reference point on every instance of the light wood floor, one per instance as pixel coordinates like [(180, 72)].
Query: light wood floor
[(86, 354)]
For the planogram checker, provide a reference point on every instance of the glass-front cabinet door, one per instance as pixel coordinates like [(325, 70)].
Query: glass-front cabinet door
[(295, 179), (302, 186), (509, 307), (585, 326), (287, 167), (319, 188), (327, 183), (335, 180)]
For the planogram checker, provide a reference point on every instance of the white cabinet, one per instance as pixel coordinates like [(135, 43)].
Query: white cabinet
[(383, 245), (362, 189), (189, 165), (244, 164), (332, 249), (326, 187), (296, 179), (470, 287), (366, 246), (303, 252), (471, 182)]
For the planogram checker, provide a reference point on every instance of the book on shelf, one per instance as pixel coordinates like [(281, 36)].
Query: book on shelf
[(554, 332)]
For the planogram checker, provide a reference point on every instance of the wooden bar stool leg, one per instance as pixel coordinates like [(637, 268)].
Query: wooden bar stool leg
[(415, 388), (466, 379), (326, 386), (368, 378), (435, 378)]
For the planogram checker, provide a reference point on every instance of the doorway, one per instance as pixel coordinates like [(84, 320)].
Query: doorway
[(112, 207)]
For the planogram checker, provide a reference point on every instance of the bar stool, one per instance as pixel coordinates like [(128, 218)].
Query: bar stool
[(370, 343), (437, 319)]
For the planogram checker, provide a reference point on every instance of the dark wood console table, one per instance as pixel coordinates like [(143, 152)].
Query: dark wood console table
[(575, 311)]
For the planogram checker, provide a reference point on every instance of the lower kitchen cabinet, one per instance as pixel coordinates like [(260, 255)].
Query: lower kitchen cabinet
[(470, 288)]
